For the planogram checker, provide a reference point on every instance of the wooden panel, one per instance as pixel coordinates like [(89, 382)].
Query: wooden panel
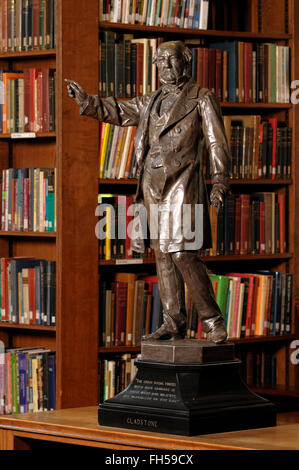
[(28, 339), (77, 248), (6, 440), (38, 247), (273, 16), (38, 153), (21, 63)]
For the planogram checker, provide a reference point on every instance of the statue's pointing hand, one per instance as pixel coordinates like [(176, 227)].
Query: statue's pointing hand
[(76, 91)]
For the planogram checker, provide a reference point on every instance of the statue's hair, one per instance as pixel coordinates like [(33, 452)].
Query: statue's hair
[(184, 49)]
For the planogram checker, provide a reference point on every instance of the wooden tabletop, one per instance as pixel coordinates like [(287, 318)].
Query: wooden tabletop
[(80, 425)]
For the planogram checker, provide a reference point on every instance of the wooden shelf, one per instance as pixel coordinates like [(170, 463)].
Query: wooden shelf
[(248, 257), (119, 349), (258, 106), (193, 32), (277, 390), (28, 54), (18, 326), (11, 233), (113, 262), (262, 181), (238, 341), (38, 135), (261, 339)]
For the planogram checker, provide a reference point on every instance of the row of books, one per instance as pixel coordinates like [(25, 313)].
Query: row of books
[(251, 304), (114, 227), (27, 380), (260, 148), (236, 71), (116, 154), (27, 25), (28, 100), (250, 224), (115, 375), (259, 368), (28, 291), (28, 199), (256, 304), (177, 13)]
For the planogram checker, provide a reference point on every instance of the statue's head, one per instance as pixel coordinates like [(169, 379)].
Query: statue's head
[(173, 60)]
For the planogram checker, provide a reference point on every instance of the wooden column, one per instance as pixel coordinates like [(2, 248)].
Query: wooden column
[(77, 181)]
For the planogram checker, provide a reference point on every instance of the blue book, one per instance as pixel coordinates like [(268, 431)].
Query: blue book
[(38, 296), (17, 265), (196, 14), (22, 362), (52, 381), (232, 48)]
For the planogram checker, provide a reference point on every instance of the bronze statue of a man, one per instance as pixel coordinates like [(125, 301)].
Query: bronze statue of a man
[(171, 122)]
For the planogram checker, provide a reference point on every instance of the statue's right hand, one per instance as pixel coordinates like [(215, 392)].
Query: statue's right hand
[(76, 91)]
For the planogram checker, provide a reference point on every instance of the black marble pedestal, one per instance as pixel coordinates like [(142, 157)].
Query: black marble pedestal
[(187, 399)]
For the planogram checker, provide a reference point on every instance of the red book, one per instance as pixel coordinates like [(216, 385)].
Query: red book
[(199, 65), (249, 310), (29, 99), (248, 71), (45, 100), (121, 291), (4, 289), (199, 329), (129, 279), (205, 77), (212, 69), (254, 304), (39, 101), (31, 282), (244, 227), (237, 224), (218, 74), (273, 122), (282, 222), (129, 218)]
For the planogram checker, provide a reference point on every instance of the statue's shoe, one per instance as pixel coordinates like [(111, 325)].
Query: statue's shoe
[(165, 332), (218, 333)]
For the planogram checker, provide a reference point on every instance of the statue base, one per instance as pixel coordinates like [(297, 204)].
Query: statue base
[(204, 396)]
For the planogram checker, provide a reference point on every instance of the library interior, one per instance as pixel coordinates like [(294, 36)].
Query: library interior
[(194, 103)]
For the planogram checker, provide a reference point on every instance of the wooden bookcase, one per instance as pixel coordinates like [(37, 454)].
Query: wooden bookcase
[(266, 21), (73, 150)]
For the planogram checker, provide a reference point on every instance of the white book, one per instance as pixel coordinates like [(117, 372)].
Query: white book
[(144, 12), (153, 45), (125, 152), (117, 11), (240, 310), (164, 15), (152, 14), (204, 14)]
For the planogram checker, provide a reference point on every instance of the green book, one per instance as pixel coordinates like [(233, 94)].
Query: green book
[(14, 383), (222, 288)]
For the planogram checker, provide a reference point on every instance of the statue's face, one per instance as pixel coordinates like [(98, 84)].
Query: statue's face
[(170, 63)]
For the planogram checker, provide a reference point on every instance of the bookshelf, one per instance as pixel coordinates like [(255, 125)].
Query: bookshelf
[(73, 246), (266, 21), (73, 150)]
